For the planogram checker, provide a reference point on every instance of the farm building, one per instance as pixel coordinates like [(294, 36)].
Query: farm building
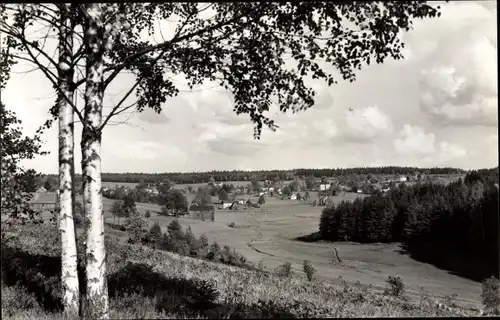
[(240, 201), (324, 186), (202, 212), (43, 200), (225, 205), (293, 197)]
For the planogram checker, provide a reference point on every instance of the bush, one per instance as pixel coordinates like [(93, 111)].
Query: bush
[(136, 227), (155, 229), (284, 270), (262, 200), (232, 224), (147, 214), (396, 286), (490, 295), (309, 270)]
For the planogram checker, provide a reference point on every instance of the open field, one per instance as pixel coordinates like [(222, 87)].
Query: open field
[(267, 234), (202, 289)]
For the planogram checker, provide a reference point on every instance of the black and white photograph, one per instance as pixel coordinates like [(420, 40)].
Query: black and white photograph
[(249, 160)]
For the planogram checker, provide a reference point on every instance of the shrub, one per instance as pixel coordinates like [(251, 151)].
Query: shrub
[(309, 270), (260, 266), (232, 224), (136, 226), (214, 252), (78, 217), (155, 229), (395, 286), (490, 295), (16, 300), (262, 200), (284, 270), (147, 214), (203, 241)]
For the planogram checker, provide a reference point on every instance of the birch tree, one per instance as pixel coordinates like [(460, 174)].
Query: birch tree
[(14, 29), (67, 227)]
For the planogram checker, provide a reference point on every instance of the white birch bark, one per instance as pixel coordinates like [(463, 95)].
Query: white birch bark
[(97, 295), (69, 260)]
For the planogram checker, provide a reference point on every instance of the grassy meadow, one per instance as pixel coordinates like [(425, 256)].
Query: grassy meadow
[(148, 283)]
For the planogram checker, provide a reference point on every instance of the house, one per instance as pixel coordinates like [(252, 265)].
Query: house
[(402, 178), (226, 205), (44, 201), (359, 191), (202, 212), (386, 188), (261, 193), (241, 201), (293, 197), (271, 189), (324, 186)]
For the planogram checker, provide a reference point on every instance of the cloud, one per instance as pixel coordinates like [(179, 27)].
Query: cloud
[(446, 153), (151, 117), (148, 150), (458, 80), (414, 141), (415, 144), (363, 125)]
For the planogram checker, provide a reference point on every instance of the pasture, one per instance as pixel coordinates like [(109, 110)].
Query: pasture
[(268, 234)]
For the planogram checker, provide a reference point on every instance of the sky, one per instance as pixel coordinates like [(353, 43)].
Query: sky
[(437, 107)]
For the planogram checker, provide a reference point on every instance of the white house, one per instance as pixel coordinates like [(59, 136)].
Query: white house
[(241, 201), (402, 178), (226, 205), (324, 186), (293, 197)]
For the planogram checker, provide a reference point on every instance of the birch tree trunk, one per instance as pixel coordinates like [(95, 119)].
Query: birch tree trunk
[(69, 260), (96, 290)]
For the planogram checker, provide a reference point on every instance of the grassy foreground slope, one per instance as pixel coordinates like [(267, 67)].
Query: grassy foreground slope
[(148, 283)]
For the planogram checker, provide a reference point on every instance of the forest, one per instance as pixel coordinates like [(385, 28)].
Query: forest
[(239, 175), (453, 226)]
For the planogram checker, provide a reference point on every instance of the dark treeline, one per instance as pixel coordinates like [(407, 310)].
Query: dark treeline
[(237, 175), (453, 226)]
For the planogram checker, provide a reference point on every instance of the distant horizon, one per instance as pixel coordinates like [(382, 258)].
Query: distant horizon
[(285, 170)]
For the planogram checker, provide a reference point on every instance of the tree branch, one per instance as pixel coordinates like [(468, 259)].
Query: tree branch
[(128, 93), (54, 83), (166, 44)]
